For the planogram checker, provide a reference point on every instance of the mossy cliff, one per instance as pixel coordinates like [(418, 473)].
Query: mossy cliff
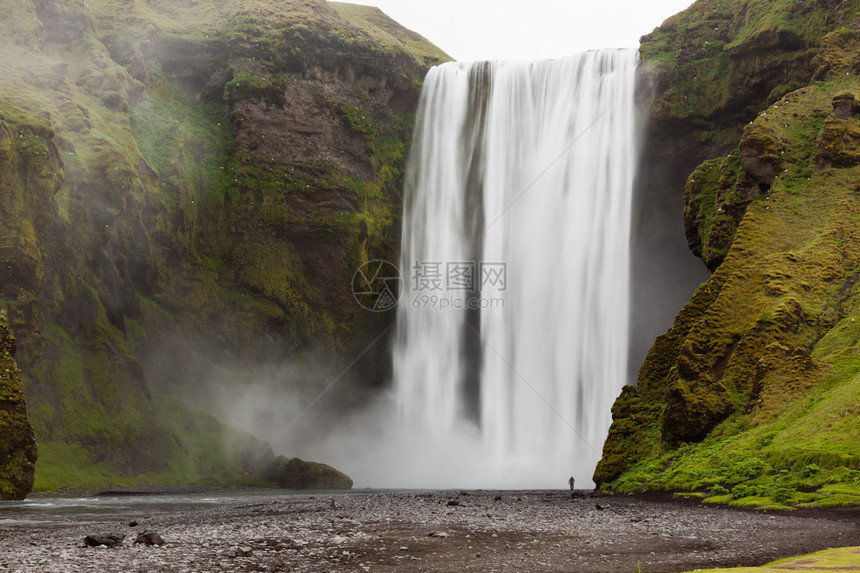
[(17, 440), (705, 73), (756, 386), (186, 190)]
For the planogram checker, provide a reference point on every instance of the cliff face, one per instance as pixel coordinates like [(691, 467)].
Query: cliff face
[(187, 189), (17, 440), (755, 382), (706, 73)]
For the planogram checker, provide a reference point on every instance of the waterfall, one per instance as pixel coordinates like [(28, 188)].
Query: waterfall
[(512, 327)]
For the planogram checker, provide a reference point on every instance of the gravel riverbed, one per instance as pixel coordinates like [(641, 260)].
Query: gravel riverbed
[(438, 531)]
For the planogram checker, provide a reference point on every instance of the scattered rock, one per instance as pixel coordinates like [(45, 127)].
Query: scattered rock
[(132, 524), (149, 538), (567, 537), (106, 539), (337, 540), (278, 565)]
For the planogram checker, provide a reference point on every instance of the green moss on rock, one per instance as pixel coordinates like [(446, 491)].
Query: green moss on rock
[(839, 144), (17, 439), (720, 57)]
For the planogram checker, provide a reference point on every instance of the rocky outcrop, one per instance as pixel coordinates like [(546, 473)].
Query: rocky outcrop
[(299, 474), (186, 191), (839, 145), (718, 192), (749, 381), (17, 440)]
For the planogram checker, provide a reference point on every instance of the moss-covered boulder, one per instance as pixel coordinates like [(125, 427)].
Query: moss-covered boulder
[(298, 474), (17, 440)]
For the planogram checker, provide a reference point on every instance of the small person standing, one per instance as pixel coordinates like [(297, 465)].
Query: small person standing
[(571, 481)]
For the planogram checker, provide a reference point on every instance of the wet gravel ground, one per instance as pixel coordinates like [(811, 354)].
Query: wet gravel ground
[(471, 531)]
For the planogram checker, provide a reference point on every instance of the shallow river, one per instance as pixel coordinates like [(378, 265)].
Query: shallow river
[(52, 512)]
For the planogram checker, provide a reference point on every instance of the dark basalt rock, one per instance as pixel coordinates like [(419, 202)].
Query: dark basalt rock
[(149, 538), (843, 105), (107, 539)]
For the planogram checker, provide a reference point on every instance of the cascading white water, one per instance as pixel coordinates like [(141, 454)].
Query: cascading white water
[(530, 166)]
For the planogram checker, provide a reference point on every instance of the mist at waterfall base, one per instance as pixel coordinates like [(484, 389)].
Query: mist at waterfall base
[(525, 168)]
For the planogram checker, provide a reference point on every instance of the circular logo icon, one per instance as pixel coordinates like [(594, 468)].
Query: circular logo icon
[(376, 286)]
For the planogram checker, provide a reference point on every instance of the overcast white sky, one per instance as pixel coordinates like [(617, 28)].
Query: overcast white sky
[(528, 29)]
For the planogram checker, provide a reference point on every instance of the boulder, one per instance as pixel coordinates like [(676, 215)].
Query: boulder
[(299, 474), (149, 538), (440, 534), (278, 565), (843, 105), (106, 539)]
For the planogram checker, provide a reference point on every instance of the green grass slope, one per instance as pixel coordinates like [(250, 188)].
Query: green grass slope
[(845, 559), (388, 33)]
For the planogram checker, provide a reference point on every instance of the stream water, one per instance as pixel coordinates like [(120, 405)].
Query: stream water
[(51, 512)]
